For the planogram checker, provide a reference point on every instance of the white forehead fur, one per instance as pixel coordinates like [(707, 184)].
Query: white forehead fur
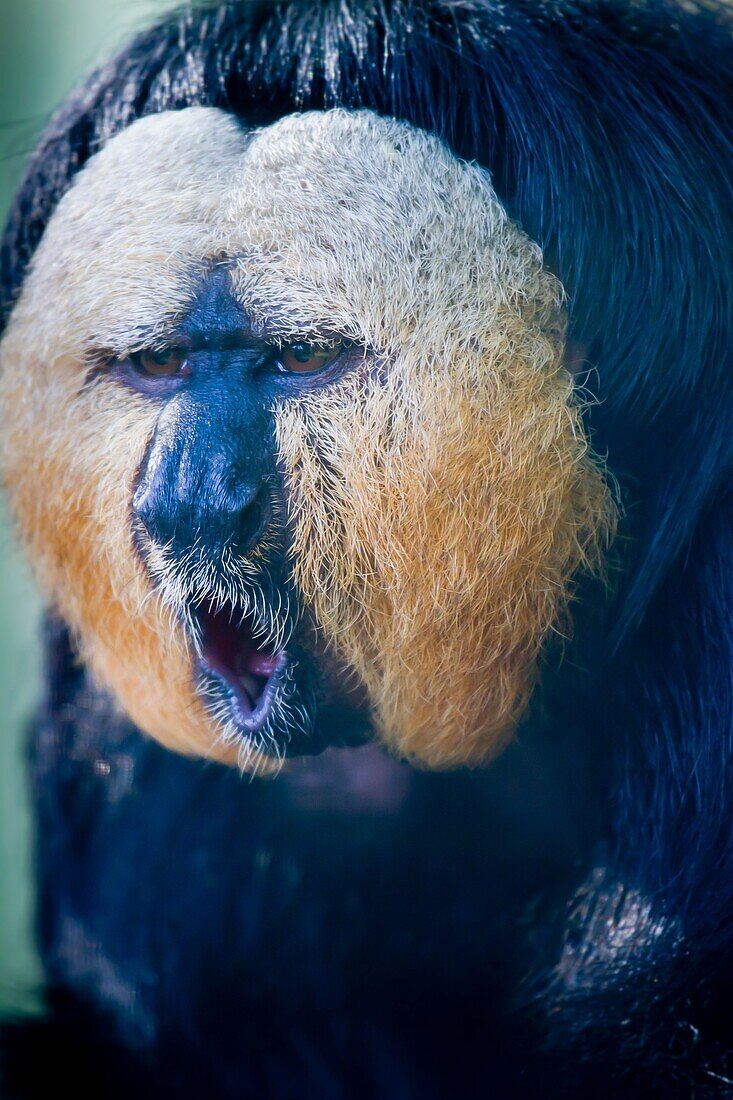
[(339, 221)]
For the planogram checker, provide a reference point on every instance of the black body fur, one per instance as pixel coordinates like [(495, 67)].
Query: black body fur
[(561, 924)]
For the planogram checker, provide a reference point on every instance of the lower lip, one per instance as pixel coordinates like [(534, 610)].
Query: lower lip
[(253, 721)]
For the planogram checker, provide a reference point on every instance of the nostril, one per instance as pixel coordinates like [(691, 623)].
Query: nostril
[(143, 506), (252, 520)]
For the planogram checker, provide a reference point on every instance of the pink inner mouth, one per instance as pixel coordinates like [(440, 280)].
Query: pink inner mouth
[(247, 665)]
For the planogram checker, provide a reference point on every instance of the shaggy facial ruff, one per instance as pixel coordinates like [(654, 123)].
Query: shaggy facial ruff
[(442, 495)]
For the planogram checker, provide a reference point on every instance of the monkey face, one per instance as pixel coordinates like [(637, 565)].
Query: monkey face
[(290, 440)]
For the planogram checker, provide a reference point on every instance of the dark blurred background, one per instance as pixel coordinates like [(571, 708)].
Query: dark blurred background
[(46, 46)]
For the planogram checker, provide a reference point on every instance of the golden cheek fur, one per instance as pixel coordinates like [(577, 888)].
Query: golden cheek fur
[(436, 538), (443, 495)]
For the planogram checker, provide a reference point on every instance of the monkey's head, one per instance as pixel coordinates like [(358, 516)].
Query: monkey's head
[(291, 440)]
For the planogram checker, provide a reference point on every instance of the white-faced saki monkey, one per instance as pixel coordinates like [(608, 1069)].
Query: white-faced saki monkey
[(367, 419)]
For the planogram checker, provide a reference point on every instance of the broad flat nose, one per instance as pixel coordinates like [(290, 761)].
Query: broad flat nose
[(206, 477), (210, 514)]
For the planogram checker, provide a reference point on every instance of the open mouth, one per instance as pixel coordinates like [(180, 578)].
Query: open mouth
[(242, 663)]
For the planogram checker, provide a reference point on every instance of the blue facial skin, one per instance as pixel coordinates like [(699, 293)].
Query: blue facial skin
[(209, 487), (209, 471)]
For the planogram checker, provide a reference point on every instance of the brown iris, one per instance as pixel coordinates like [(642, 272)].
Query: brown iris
[(305, 358), (159, 364)]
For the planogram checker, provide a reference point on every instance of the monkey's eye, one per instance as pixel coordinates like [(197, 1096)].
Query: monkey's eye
[(305, 358), (159, 364)]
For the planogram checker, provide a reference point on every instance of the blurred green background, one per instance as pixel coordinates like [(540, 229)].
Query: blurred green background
[(46, 46)]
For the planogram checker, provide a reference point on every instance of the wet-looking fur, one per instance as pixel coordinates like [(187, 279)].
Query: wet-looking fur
[(441, 494)]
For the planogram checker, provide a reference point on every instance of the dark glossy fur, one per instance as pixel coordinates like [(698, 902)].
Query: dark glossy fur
[(561, 924)]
